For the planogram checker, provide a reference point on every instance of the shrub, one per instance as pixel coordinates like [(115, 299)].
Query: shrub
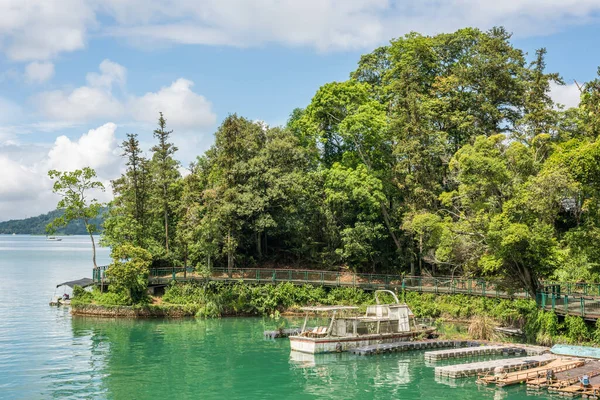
[(576, 331)]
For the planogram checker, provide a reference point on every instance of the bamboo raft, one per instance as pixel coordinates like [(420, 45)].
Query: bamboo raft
[(576, 389), (565, 378), (512, 378)]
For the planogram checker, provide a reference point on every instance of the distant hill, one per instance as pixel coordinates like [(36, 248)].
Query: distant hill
[(37, 225)]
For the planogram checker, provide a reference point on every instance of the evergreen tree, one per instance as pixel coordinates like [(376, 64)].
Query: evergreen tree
[(165, 175)]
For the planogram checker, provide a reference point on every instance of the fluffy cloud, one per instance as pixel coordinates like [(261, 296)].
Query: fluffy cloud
[(25, 189), (97, 100), (17, 181), (331, 24), (82, 104), (41, 29), (39, 72), (85, 103), (96, 149), (567, 95), (183, 107)]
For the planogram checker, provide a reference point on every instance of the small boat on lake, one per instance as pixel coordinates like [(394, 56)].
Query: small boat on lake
[(382, 323), (53, 239)]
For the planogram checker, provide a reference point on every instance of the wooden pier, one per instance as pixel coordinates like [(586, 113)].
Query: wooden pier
[(510, 364), (408, 346)]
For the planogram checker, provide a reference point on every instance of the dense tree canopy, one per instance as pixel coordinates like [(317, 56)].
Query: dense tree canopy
[(440, 154)]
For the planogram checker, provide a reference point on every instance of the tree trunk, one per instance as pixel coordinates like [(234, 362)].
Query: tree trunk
[(166, 230), (386, 218), (93, 243), (229, 255), (258, 245), (420, 254)]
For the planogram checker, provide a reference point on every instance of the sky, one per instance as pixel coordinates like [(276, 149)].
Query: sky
[(77, 75)]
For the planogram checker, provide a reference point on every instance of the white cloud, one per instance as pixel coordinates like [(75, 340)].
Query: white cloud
[(110, 73), (25, 189), (85, 103), (39, 72), (567, 95), (332, 24), (182, 107), (82, 104), (16, 181), (41, 29), (97, 149)]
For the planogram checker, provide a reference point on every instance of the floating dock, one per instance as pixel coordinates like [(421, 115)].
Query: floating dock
[(510, 364), (481, 349), (478, 351), (408, 346)]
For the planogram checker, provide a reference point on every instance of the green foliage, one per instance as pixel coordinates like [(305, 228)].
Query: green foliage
[(441, 155), (128, 273), (576, 330), (74, 190)]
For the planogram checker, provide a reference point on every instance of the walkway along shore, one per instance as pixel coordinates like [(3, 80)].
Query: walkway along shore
[(564, 298)]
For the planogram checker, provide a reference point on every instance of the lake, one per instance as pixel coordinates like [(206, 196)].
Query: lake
[(46, 353)]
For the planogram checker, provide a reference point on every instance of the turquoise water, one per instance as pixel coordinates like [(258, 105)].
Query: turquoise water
[(46, 353)]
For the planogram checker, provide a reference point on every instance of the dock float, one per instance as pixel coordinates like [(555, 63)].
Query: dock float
[(408, 346), (438, 355), (508, 364)]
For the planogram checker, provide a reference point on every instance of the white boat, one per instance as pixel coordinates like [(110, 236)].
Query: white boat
[(382, 323), (54, 239)]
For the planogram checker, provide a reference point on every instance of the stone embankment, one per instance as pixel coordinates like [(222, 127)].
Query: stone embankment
[(146, 311)]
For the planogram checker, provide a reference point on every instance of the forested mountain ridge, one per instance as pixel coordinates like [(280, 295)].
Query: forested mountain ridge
[(37, 225), (440, 154)]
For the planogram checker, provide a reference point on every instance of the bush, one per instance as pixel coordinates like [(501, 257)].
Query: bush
[(576, 331), (128, 273)]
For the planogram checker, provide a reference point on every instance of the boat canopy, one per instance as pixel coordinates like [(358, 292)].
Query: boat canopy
[(329, 308), (83, 282)]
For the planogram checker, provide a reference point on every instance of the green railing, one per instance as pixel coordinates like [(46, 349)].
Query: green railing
[(563, 297)]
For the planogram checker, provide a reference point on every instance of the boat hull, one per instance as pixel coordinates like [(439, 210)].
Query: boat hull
[(336, 344)]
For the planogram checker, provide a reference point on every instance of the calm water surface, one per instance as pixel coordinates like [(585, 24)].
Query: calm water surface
[(46, 353)]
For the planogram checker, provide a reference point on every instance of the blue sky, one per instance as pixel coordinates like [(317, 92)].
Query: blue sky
[(77, 75)]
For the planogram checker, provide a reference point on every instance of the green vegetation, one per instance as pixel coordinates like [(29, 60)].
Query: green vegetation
[(37, 225), (74, 189), (440, 155)]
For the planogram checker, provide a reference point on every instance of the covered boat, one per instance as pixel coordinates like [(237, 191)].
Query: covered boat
[(382, 323), (67, 287)]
